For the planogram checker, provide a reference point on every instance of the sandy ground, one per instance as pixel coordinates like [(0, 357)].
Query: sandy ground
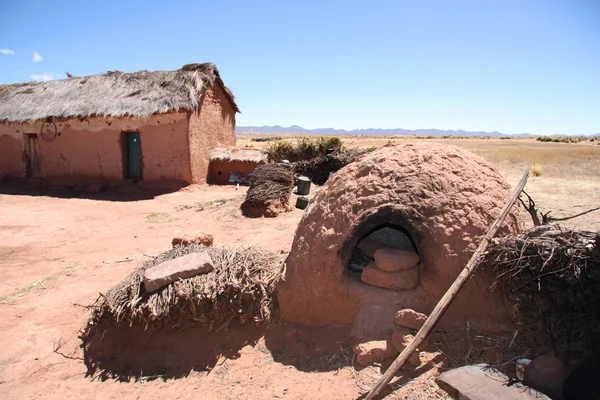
[(58, 251)]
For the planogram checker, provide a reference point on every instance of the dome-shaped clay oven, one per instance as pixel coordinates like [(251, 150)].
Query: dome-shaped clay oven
[(444, 198)]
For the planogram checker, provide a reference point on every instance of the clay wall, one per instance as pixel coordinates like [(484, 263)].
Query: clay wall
[(219, 170), (212, 126), (93, 147)]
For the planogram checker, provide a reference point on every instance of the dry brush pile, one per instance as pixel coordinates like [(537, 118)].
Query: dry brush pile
[(318, 169), (553, 277), (240, 290), (270, 190)]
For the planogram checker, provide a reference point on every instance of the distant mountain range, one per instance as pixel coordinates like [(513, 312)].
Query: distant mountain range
[(372, 132)]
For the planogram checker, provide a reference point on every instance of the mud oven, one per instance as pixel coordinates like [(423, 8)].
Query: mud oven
[(430, 200)]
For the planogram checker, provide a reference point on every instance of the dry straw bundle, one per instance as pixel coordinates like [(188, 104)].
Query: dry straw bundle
[(241, 289), (553, 277), (271, 187)]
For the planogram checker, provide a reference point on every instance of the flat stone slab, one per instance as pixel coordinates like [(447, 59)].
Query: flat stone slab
[(477, 382), (392, 260), (400, 280), (179, 268)]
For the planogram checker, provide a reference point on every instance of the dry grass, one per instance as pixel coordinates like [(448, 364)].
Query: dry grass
[(559, 159), (39, 285)]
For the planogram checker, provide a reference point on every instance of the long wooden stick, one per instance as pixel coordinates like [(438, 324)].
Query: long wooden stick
[(445, 301)]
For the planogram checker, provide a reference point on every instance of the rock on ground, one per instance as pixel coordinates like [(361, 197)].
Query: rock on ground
[(179, 268), (392, 260), (410, 319), (374, 352), (198, 238), (400, 280), (479, 382), (402, 338)]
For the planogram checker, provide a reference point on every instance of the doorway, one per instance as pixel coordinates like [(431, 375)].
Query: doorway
[(33, 161), (133, 156)]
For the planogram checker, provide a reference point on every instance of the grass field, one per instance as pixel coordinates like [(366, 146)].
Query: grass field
[(561, 160)]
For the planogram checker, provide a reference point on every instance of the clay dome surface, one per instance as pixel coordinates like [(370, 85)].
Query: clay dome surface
[(443, 196)]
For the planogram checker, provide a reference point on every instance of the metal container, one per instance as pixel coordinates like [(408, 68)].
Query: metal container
[(303, 186), (302, 202)]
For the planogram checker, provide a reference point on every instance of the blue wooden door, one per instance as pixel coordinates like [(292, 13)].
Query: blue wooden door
[(134, 155)]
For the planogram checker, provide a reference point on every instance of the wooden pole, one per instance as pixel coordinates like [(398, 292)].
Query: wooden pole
[(445, 301)]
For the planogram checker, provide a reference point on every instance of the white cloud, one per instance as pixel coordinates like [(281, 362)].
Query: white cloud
[(42, 77), (36, 57), (7, 51)]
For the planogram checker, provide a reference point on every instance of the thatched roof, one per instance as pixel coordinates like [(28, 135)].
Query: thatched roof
[(114, 94), (236, 154)]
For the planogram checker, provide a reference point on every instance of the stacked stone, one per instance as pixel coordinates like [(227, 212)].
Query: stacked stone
[(406, 322), (393, 269)]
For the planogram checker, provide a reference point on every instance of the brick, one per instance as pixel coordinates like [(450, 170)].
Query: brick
[(197, 238), (179, 268)]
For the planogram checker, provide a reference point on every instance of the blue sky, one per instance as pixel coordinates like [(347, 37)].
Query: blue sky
[(511, 66)]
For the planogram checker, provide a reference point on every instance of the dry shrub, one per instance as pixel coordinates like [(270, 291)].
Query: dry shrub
[(240, 290), (303, 148), (317, 169), (537, 170), (553, 277)]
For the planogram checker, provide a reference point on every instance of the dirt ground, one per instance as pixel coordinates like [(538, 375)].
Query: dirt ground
[(59, 249)]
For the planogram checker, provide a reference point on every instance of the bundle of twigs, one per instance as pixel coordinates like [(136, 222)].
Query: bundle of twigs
[(271, 184), (553, 277), (318, 169), (240, 290)]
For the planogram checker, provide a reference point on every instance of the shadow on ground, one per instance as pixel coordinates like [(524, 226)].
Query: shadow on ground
[(129, 353), (126, 353), (93, 191)]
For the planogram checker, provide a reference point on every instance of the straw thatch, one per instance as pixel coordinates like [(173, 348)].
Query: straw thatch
[(552, 275), (270, 191), (236, 154), (114, 93), (240, 290)]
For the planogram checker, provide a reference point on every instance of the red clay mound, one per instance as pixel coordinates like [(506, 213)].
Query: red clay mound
[(443, 197)]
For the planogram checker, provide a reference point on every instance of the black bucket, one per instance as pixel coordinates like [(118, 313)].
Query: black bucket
[(302, 202), (303, 186)]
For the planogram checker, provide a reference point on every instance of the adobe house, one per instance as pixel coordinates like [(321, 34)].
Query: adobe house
[(146, 125)]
